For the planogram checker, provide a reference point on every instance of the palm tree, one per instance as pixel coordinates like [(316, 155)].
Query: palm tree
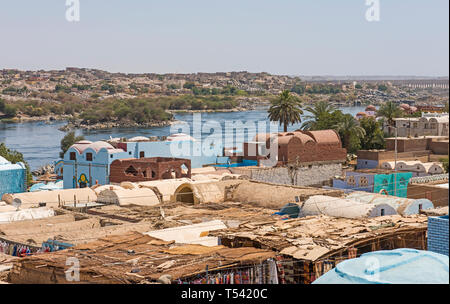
[(286, 109), (390, 111), (349, 127), (320, 109)]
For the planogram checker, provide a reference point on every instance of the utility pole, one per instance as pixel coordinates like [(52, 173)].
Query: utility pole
[(395, 162), (395, 166)]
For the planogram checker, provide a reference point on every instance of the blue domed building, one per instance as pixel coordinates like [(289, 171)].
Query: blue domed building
[(400, 266)]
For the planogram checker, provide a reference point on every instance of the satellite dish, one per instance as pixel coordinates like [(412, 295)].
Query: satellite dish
[(17, 203)]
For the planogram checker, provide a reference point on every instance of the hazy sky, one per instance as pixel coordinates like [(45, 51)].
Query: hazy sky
[(295, 37)]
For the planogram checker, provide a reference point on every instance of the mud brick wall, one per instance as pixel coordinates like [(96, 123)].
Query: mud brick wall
[(439, 147), (148, 169), (439, 196)]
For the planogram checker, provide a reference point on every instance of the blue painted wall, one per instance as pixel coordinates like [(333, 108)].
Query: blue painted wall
[(98, 169), (12, 178), (358, 184), (75, 172), (438, 234), (366, 164), (198, 154)]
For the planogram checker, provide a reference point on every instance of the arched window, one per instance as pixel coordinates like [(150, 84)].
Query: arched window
[(131, 171)]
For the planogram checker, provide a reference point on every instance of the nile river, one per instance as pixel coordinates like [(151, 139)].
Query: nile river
[(40, 141)]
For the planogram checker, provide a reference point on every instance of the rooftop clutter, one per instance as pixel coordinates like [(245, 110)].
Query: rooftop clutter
[(137, 258), (319, 237), (187, 219)]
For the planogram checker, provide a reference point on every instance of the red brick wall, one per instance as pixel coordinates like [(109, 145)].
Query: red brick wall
[(292, 148), (147, 169)]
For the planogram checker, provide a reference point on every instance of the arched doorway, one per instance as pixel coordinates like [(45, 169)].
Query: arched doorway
[(185, 195)]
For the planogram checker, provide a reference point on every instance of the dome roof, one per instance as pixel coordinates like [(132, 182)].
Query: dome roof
[(405, 106), (138, 138), (284, 140), (96, 146), (303, 137), (325, 136), (371, 108), (180, 137), (399, 266), (83, 142), (3, 161)]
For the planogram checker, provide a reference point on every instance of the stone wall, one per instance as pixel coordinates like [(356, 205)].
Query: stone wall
[(301, 176)]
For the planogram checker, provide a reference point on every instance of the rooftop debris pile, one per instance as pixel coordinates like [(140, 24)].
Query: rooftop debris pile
[(317, 237), (133, 258)]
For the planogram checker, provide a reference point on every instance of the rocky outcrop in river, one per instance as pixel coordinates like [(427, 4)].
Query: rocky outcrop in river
[(109, 125), (46, 169)]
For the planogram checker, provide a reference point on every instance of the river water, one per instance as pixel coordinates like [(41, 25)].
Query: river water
[(40, 141)]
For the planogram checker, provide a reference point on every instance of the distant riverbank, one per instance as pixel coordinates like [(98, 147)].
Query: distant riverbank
[(25, 119), (39, 141), (73, 123)]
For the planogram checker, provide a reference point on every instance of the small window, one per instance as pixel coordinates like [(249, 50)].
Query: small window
[(141, 154), (382, 212), (420, 207), (351, 180), (129, 153), (363, 181), (111, 156), (73, 156), (89, 156)]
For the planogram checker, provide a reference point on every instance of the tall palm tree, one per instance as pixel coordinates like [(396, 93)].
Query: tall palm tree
[(349, 127), (286, 109), (390, 111), (320, 109)]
